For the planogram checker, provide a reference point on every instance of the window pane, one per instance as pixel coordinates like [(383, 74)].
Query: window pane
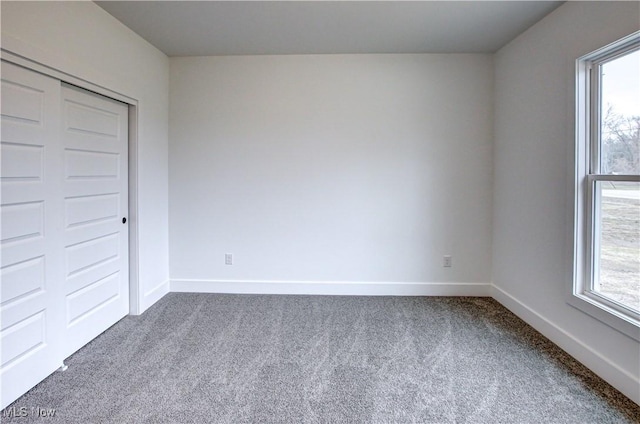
[(618, 242), (620, 115)]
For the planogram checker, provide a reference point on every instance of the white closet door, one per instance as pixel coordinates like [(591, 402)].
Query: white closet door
[(64, 264), (95, 191), (31, 272)]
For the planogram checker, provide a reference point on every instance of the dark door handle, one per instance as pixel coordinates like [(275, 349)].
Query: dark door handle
[(124, 220)]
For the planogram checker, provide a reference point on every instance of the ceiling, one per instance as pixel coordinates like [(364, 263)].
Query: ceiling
[(208, 28)]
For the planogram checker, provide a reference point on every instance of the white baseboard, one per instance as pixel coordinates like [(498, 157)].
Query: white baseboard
[(602, 366), (346, 288), (152, 296)]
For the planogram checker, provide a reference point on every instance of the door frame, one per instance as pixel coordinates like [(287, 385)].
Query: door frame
[(135, 306)]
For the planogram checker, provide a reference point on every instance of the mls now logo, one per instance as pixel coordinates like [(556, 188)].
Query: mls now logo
[(23, 411)]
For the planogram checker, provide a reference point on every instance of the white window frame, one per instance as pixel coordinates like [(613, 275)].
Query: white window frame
[(586, 223)]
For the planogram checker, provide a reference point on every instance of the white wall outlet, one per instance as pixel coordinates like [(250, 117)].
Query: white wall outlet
[(446, 261), (228, 258)]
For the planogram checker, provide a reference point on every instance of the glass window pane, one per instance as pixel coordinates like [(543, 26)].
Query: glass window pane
[(617, 253), (620, 115)]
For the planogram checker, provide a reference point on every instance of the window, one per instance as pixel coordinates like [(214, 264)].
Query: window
[(607, 272)]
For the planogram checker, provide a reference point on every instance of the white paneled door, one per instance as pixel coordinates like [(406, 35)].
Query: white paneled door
[(96, 237), (31, 265), (64, 245)]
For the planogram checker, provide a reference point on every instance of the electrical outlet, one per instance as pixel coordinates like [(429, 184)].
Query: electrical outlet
[(228, 258), (446, 261)]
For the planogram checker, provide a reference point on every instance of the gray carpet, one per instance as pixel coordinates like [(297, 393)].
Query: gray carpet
[(318, 359)]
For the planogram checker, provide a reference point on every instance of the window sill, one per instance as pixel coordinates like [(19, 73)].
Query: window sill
[(610, 316)]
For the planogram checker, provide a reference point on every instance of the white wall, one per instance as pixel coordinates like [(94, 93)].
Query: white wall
[(330, 168), (533, 195), (81, 39)]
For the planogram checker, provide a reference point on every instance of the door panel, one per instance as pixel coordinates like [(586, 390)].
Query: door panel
[(91, 209), (22, 279), (22, 162), (31, 269), (95, 187), (22, 221)]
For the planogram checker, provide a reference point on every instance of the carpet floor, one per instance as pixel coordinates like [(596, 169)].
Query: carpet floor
[(207, 358)]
